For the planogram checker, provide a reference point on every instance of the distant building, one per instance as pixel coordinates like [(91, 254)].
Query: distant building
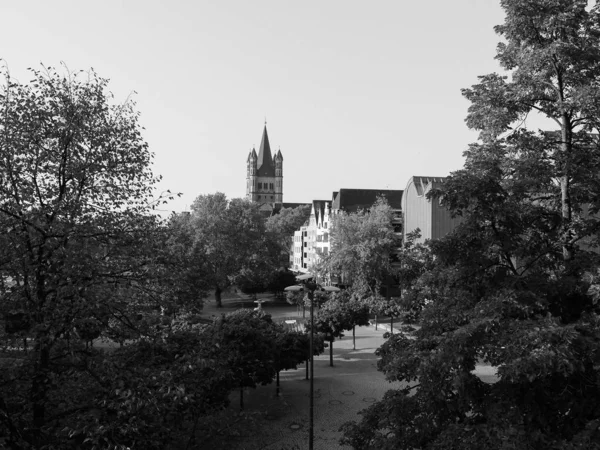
[(351, 200), (313, 242), (299, 257), (264, 174), (430, 216)]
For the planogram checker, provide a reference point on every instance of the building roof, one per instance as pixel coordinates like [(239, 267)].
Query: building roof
[(423, 184), (277, 207), (265, 166), (351, 200)]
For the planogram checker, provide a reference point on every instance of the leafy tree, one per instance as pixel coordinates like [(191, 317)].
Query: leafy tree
[(337, 315), (281, 279), (183, 264), (552, 51), (247, 340), (514, 285), (76, 200), (362, 246), (233, 241), (282, 226)]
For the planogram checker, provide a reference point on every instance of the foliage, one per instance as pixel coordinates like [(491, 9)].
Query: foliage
[(232, 238), (552, 51), (514, 285), (247, 340), (281, 279), (76, 197), (362, 246), (339, 313), (282, 226)]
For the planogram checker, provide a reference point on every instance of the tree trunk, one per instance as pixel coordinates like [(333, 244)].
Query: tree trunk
[(565, 188), (39, 391), (277, 390), (218, 296), (331, 352), (375, 322), (392, 324), (242, 398), (353, 338)]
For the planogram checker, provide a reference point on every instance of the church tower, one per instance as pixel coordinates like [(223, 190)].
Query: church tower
[(264, 173)]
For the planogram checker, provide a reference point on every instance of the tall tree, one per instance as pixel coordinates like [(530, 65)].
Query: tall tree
[(76, 197), (283, 225), (233, 240), (362, 246), (514, 285), (552, 51)]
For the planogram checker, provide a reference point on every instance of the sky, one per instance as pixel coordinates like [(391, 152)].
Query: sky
[(356, 94)]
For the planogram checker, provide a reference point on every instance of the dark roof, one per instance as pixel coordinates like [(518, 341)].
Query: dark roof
[(277, 207), (351, 200), (264, 165)]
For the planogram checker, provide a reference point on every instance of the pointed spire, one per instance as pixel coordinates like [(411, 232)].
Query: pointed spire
[(265, 159)]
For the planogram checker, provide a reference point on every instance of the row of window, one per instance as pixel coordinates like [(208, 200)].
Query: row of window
[(267, 186)]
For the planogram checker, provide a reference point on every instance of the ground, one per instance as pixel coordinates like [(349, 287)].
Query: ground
[(341, 391)]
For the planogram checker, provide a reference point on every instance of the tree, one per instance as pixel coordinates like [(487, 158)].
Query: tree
[(233, 241), (338, 314), (76, 200), (362, 246), (248, 341), (515, 284), (282, 226), (552, 51), (183, 263)]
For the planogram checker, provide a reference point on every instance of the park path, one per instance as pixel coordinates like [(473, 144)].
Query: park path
[(341, 391)]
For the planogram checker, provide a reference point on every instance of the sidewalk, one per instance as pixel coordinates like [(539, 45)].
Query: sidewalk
[(341, 391)]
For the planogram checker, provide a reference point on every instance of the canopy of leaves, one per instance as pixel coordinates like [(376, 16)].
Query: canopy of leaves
[(515, 285), (283, 225), (361, 246), (232, 239)]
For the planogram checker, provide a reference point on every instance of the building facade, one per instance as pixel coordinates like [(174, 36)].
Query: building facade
[(429, 216)]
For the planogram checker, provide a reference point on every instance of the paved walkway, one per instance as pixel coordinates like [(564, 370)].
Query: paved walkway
[(341, 391)]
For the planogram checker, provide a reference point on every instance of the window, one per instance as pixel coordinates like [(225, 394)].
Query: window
[(271, 186), (259, 186)]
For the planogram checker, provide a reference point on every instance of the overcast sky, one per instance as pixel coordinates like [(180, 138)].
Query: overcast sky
[(357, 94)]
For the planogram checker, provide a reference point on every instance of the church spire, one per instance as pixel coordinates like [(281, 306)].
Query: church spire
[(265, 159)]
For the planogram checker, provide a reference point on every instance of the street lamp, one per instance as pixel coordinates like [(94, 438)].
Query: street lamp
[(310, 287)]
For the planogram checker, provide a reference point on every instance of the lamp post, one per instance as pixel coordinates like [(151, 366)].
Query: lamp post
[(311, 287)]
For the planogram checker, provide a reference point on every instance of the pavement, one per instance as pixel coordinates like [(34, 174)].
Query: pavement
[(341, 391)]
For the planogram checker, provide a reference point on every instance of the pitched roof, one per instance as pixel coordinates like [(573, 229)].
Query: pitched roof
[(351, 200), (265, 166)]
